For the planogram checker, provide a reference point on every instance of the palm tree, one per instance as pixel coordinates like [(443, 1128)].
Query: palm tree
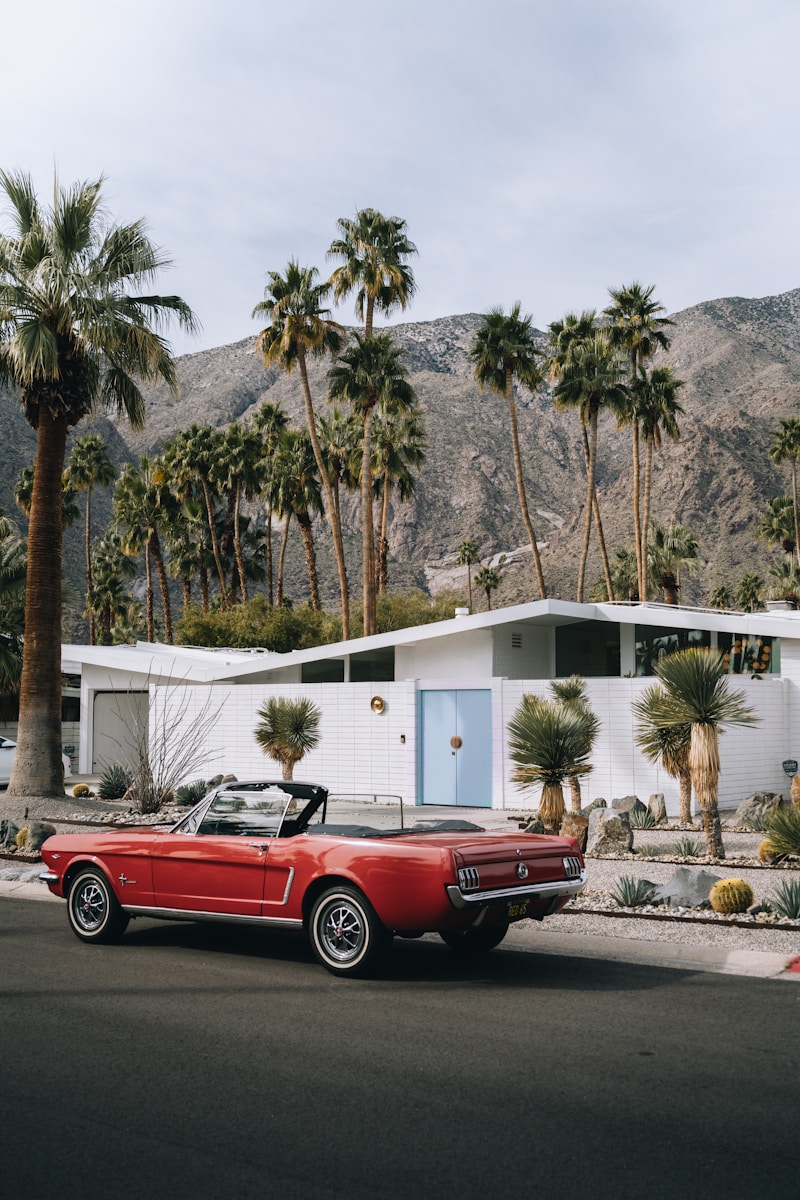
[(564, 337), (88, 467), (299, 495), (239, 471), (374, 250), (142, 504), (504, 350), (340, 438), (668, 745), (287, 730), (467, 555), (636, 329), (571, 692), (625, 574), (367, 374), (110, 566), (670, 550), (488, 578), (696, 692), (776, 524), (300, 328), (548, 743), (750, 592), (721, 597), (270, 422), (786, 447), (786, 585), (590, 380), (190, 459), (75, 334), (657, 410), (13, 571), (398, 449), (23, 497)]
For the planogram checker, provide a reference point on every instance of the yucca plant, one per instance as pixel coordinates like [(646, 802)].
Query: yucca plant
[(288, 729), (696, 692), (665, 744), (630, 892), (549, 742), (786, 898), (782, 826), (685, 848), (114, 782), (648, 851), (642, 818), (571, 692), (192, 793)]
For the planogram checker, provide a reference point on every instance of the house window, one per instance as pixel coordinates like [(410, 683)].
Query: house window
[(744, 654), (588, 648), (373, 666), (326, 670), (654, 642)]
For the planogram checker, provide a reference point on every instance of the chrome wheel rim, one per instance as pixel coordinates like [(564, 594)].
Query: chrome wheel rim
[(342, 930), (90, 905)]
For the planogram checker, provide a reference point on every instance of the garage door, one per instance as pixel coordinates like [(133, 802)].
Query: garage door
[(119, 719)]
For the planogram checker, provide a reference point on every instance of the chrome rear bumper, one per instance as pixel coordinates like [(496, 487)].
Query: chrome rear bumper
[(542, 891)]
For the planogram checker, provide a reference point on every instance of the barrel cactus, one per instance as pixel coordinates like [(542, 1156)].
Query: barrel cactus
[(731, 896)]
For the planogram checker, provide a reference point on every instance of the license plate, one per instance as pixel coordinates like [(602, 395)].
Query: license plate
[(517, 909)]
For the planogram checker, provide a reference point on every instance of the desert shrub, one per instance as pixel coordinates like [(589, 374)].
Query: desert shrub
[(114, 782), (81, 789), (21, 837), (648, 851), (782, 826), (686, 848), (731, 896), (786, 898), (192, 792), (642, 818), (629, 892)]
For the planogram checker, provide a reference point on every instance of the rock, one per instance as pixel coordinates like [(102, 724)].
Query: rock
[(535, 825), (658, 808), (609, 833), (688, 888), (8, 834), (598, 803), (628, 804), (576, 825), (38, 833), (754, 808), (796, 790)]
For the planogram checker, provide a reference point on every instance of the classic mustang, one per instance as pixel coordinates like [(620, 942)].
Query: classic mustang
[(267, 853)]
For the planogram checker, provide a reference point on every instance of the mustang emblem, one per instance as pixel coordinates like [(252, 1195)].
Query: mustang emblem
[(522, 871)]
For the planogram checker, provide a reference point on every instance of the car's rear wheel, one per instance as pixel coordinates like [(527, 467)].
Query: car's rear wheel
[(94, 912), (347, 936), (477, 940)]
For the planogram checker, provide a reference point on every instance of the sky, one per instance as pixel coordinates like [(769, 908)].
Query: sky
[(540, 151)]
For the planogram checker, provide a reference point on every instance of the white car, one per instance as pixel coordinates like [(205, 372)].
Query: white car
[(7, 751)]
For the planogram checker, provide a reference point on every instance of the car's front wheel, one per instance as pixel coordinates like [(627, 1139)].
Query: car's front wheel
[(94, 911), (478, 940), (347, 935)]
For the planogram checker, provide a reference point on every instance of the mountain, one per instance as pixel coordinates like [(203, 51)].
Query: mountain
[(739, 359)]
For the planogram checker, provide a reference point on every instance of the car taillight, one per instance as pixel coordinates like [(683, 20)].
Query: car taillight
[(572, 867), (468, 879)]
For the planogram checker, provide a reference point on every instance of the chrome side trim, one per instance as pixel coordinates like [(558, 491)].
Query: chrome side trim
[(189, 914), (542, 891), (289, 883)]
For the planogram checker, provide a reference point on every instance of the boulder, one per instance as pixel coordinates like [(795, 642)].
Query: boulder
[(38, 833), (576, 825), (688, 888), (598, 803), (658, 807), (754, 808), (535, 825), (8, 835), (628, 804), (609, 832)]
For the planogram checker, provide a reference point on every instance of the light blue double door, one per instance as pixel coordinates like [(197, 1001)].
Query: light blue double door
[(455, 740)]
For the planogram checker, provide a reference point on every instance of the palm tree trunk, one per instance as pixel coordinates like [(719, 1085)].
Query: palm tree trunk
[(304, 521), (333, 521), (148, 594), (648, 474), (685, 797), (270, 592), (281, 559), (552, 807), (204, 597), (89, 608), (223, 591), (598, 523), (705, 767), (641, 565), (794, 506), (383, 540), (575, 798), (37, 769), (587, 520), (186, 588), (523, 500), (237, 542), (367, 539), (163, 585)]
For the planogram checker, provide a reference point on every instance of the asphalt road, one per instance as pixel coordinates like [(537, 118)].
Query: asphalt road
[(199, 1062)]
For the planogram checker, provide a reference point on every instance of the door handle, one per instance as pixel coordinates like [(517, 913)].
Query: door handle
[(262, 847)]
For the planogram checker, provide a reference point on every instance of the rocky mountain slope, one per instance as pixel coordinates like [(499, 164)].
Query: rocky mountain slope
[(740, 360)]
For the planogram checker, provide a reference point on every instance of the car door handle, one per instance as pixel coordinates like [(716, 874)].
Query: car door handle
[(262, 847)]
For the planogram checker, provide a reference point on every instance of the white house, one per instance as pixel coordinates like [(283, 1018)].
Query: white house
[(422, 713)]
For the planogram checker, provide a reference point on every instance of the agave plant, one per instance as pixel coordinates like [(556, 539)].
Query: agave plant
[(782, 826), (786, 898), (630, 892), (549, 743)]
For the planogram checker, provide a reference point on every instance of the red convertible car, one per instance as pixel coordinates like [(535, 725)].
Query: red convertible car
[(268, 853)]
